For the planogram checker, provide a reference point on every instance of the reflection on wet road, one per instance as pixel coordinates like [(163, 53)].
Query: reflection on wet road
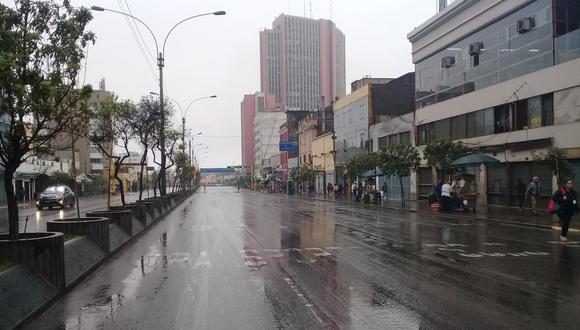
[(228, 260)]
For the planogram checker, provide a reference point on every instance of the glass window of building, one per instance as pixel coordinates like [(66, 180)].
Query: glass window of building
[(496, 53), (567, 30), (548, 110), (405, 138), (458, 127)]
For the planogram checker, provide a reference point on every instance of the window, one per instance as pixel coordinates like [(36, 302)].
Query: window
[(405, 138), (458, 127), (393, 139), (442, 129), (534, 112), (498, 52), (520, 115), (548, 110), (383, 142), (567, 30), (502, 118), (426, 133)]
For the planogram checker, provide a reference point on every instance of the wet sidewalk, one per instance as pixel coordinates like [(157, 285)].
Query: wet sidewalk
[(496, 214)]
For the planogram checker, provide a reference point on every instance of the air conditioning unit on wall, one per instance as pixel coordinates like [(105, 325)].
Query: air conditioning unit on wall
[(475, 48), (525, 25), (447, 61)]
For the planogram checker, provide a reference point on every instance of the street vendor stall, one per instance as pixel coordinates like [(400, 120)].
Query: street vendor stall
[(465, 183)]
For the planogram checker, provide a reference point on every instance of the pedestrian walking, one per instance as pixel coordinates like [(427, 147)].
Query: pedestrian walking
[(335, 191), (446, 190), (520, 188), (353, 189), (329, 189), (533, 193), (384, 190), (567, 200), (340, 190)]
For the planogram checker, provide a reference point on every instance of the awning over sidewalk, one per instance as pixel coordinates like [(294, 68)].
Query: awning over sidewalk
[(378, 172), (82, 178)]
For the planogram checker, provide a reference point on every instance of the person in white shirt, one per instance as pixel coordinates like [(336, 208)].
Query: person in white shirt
[(446, 196)]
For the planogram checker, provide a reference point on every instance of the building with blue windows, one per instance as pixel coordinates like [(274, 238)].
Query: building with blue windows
[(504, 77)]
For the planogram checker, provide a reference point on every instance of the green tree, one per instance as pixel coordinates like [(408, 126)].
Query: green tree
[(361, 164), (112, 127), (41, 50), (441, 153), (143, 126), (60, 177), (183, 170), (400, 160), (560, 166)]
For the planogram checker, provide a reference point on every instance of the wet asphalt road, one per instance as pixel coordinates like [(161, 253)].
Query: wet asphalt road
[(228, 260)]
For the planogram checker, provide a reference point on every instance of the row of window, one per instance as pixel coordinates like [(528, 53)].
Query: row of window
[(523, 114), (397, 138), (536, 36)]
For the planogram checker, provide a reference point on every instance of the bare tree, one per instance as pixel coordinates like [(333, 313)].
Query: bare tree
[(143, 126), (112, 127)]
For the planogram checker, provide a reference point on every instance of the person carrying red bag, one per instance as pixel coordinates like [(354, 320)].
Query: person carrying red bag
[(567, 205)]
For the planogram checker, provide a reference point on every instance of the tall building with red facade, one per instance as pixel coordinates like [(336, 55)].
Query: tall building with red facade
[(301, 61), (251, 105)]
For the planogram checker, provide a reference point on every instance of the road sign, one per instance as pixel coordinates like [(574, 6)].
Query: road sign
[(288, 146)]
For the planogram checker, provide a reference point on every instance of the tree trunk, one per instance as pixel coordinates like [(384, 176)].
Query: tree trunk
[(121, 188), (75, 184), (12, 204), (143, 160), (402, 191)]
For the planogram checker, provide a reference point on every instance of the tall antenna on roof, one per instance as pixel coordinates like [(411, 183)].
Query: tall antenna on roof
[(330, 9)]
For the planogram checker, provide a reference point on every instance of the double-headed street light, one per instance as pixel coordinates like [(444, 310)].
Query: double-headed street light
[(184, 113), (160, 64)]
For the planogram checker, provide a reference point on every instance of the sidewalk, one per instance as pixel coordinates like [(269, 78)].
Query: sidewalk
[(494, 214)]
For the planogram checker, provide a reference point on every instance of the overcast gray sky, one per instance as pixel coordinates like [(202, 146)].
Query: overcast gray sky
[(220, 54)]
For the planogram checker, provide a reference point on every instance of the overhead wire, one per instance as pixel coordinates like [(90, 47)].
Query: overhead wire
[(130, 22)]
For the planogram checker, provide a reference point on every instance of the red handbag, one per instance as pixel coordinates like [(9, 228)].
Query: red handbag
[(553, 207)]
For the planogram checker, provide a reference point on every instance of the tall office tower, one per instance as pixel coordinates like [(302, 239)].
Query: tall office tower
[(302, 61)]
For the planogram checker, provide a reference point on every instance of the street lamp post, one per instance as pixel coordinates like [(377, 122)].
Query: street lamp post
[(184, 113), (160, 64)]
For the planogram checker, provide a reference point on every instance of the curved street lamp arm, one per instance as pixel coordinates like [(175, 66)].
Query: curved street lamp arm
[(199, 98), (179, 23), (96, 8)]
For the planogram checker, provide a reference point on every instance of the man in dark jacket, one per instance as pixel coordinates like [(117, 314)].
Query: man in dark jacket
[(567, 201)]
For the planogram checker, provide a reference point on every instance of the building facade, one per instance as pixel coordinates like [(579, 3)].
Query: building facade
[(250, 106), (307, 131), (302, 61), (504, 77), (323, 161), (266, 138)]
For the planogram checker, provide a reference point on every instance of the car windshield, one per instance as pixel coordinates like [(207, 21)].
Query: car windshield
[(54, 190)]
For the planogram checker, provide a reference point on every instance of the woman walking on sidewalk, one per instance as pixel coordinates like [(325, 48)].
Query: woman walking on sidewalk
[(567, 199)]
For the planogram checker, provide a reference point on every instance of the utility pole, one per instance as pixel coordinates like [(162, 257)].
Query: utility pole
[(163, 182)]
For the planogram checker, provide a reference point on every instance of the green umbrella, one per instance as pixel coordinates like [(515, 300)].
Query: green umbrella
[(474, 160)]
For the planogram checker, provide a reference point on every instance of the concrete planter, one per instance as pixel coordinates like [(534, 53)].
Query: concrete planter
[(169, 202), (140, 214), (154, 208), (159, 203), (42, 252), (122, 217), (95, 228)]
